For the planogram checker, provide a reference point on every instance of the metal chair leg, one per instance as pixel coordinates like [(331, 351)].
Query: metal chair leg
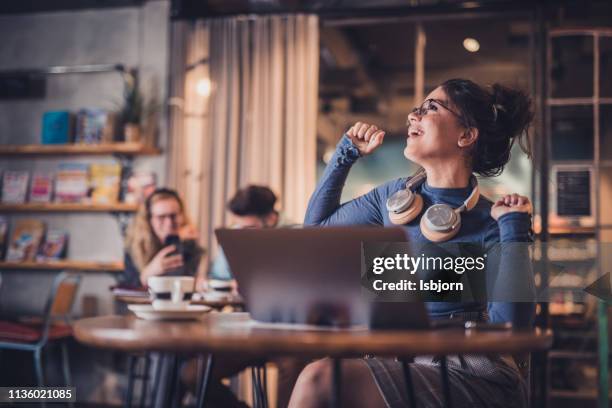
[(448, 403), (336, 401), (130, 383), (157, 375), (205, 381), (409, 384), (177, 387), (169, 385), (40, 374), (40, 377), (199, 374), (264, 383), (66, 364), (145, 380), (255, 388), (258, 378)]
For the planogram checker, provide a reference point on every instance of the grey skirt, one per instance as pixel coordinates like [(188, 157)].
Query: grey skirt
[(475, 381)]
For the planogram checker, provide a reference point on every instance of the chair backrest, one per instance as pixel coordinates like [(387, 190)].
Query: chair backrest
[(64, 297), (61, 298)]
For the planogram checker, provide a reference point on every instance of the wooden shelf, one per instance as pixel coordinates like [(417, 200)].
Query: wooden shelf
[(68, 207), (65, 264), (77, 149)]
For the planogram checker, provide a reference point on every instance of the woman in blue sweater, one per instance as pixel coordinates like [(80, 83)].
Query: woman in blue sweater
[(460, 129)]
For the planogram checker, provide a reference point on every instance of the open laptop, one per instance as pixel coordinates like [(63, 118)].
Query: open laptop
[(312, 276)]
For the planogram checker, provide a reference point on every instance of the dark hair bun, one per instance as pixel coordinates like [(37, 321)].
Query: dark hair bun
[(502, 115), (514, 114), (253, 200)]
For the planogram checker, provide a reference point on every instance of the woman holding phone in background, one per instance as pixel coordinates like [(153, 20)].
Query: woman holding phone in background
[(161, 241), (460, 129)]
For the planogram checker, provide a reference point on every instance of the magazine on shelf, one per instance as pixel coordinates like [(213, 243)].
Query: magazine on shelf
[(25, 240), (54, 246), (14, 186), (41, 187), (71, 182), (105, 181), (94, 126)]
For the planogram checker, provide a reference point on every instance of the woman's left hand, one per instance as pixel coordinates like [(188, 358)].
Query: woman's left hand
[(511, 203), (201, 283)]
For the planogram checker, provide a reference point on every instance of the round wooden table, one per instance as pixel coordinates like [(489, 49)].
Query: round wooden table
[(235, 333), (221, 333)]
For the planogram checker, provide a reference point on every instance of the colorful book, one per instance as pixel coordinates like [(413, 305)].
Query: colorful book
[(139, 185), (41, 187), (14, 186), (94, 126), (25, 240), (71, 182), (54, 247), (56, 127), (104, 180)]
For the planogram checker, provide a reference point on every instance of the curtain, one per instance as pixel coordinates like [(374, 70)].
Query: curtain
[(250, 92)]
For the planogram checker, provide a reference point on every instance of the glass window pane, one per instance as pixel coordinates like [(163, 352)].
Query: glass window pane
[(605, 131), (572, 67), (605, 67), (572, 132)]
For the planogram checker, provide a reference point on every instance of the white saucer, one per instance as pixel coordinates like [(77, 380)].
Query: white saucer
[(146, 312), (215, 296)]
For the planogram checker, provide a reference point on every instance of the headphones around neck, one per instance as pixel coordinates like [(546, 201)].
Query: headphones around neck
[(440, 222)]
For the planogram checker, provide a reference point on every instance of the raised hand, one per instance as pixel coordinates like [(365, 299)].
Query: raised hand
[(511, 203), (365, 137)]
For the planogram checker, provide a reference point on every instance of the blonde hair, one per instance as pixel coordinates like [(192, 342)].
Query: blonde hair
[(141, 242)]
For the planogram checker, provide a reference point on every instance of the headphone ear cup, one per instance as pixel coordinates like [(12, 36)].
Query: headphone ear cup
[(438, 236), (409, 214)]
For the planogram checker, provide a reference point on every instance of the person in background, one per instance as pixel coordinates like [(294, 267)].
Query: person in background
[(251, 207), (161, 215)]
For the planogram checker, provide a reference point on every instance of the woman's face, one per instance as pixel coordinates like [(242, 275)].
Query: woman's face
[(434, 130), (166, 218)]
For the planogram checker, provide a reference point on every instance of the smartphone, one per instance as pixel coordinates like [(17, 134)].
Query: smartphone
[(173, 240)]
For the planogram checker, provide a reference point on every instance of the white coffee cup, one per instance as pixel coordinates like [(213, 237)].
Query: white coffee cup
[(171, 292)]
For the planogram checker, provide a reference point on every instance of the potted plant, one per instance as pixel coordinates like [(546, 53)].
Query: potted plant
[(132, 109), (150, 117)]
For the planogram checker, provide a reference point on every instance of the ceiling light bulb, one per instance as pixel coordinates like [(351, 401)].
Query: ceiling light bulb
[(471, 44)]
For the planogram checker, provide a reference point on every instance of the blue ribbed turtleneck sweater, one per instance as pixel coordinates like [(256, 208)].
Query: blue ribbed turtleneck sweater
[(324, 209)]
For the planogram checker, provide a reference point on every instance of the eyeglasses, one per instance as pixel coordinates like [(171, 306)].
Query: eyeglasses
[(160, 217), (432, 105)]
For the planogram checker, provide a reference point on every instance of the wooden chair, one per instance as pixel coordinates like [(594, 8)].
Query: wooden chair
[(54, 326)]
